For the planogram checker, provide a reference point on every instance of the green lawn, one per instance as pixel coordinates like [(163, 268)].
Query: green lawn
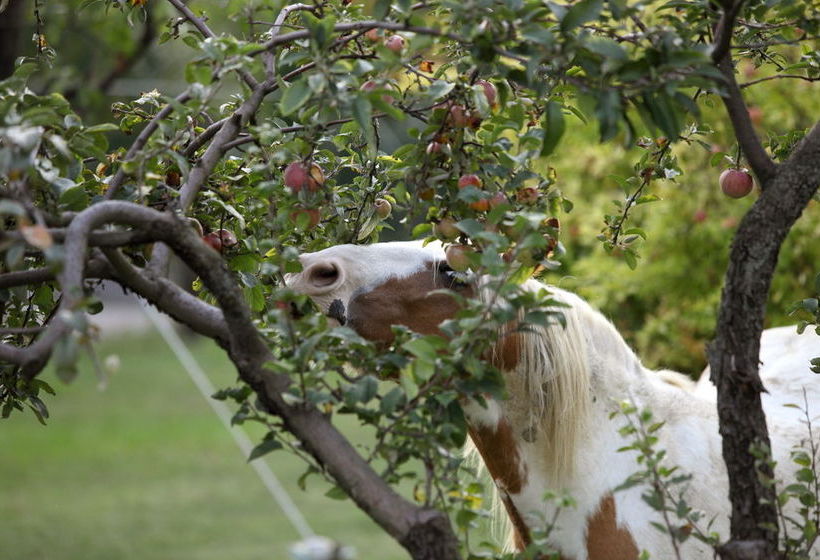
[(145, 470)]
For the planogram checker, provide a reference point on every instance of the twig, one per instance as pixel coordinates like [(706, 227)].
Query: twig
[(777, 77)]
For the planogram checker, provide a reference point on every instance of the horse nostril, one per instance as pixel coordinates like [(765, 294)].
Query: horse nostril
[(323, 274)]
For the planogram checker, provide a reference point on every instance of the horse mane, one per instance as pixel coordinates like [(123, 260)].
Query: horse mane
[(548, 390), (548, 386)]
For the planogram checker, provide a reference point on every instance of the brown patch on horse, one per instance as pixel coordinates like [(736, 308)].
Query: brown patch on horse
[(499, 451), (507, 351), (405, 301), (605, 540)]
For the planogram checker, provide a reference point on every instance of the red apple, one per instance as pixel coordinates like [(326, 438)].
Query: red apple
[(297, 176), (395, 43), (311, 213), (373, 35), (382, 208), (227, 237), (498, 199), (489, 91), (470, 179), (370, 85), (214, 241), (458, 257), (736, 183), (458, 116)]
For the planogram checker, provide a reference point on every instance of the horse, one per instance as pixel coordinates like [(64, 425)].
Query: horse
[(554, 429)]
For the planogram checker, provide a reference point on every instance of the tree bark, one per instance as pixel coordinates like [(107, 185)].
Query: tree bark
[(734, 354)]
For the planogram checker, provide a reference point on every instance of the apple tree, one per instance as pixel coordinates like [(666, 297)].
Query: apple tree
[(305, 125)]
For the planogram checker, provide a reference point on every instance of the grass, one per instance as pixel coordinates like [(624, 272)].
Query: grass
[(145, 470)]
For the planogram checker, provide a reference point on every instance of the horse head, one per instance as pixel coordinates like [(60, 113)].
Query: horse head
[(372, 287)]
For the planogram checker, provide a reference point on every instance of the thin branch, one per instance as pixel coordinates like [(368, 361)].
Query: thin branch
[(95, 269), (169, 298), (270, 59), (295, 128), (357, 26), (203, 137), (767, 44), (738, 112), (777, 77), (723, 30)]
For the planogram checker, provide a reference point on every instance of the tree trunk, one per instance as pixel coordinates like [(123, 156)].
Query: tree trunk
[(734, 354)]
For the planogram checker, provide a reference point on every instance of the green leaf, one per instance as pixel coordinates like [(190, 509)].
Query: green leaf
[(439, 89), (103, 127), (554, 127), (294, 97), (580, 13), (363, 114), (74, 198), (264, 448), (255, 297), (421, 348), (392, 400), (336, 493)]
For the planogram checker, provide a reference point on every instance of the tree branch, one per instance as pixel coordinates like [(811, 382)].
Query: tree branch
[(95, 269), (358, 26), (778, 77), (169, 298), (758, 159), (95, 238)]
